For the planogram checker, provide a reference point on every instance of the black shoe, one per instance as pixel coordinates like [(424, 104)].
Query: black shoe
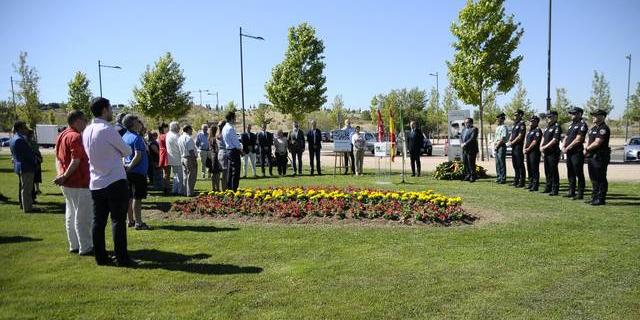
[(413, 174), (142, 226), (520, 186), (569, 195), (88, 253), (578, 197), (107, 261), (472, 180), (74, 251), (597, 203), (34, 210), (127, 263), (553, 193), (546, 191)]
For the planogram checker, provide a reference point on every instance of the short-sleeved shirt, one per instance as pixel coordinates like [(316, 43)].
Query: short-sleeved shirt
[(553, 131), (136, 143), (575, 129), (518, 128), (105, 149), (68, 147), (533, 135), (501, 134), (186, 145), (230, 137), (600, 131)]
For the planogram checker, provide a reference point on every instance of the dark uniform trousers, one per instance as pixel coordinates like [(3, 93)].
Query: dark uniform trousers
[(314, 153), (415, 163), (551, 172), (517, 159), (233, 176), (597, 167), (113, 199), (575, 170), (347, 156), (469, 161), (266, 158), (533, 167)]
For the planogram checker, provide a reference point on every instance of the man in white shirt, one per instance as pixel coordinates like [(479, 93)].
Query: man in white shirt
[(202, 143), (234, 151), (108, 183), (349, 155), (189, 162), (175, 158)]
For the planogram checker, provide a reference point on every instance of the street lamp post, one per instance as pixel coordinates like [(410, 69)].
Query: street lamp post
[(200, 91), (13, 96), (549, 64), (217, 100), (100, 66), (437, 100), (244, 126), (626, 128)]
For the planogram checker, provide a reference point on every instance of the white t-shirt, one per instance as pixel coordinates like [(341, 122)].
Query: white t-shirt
[(186, 144), (173, 150)]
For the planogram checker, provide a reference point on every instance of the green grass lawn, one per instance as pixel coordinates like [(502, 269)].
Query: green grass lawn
[(529, 256)]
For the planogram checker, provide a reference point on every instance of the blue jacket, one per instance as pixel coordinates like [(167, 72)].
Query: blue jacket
[(470, 138), (23, 158)]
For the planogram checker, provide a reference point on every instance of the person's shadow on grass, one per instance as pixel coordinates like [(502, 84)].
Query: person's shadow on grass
[(16, 239), (196, 228), (172, 261)]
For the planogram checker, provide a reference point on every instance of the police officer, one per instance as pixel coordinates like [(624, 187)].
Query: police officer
[(517, 155), (532, 153), (549, 146), (598, 154), (573, 146)]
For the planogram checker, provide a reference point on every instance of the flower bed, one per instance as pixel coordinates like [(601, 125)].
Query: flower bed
[(350, 203), (454, 170)]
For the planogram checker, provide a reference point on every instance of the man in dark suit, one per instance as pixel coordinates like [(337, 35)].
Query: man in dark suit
[(296, 147), (314, 139), (24, 165), (249, 141), (265, 141), (469, 144), (415, 140)]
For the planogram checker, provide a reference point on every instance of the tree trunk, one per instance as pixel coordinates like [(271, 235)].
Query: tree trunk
[(481, 128)]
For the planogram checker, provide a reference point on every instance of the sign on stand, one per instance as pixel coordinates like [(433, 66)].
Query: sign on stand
[(456, 124)]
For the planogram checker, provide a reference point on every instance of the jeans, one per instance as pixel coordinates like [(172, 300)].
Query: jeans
[(178, 179), (501, 165), (190, 167), (78, 217), (204, 155), (114, 200)]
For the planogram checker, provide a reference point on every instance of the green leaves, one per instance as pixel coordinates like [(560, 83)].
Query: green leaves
[(28, 92), (412, 102), (160, 95), (297, 85), (79, 94), (519, 102), (600, 94)]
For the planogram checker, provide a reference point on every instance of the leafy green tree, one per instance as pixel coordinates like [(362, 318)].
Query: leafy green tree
[(51, 117), (7, 116), (485, 41), (28, 93), (231, 106), (160, 94), (491, 109), (450, 101), (562, 106), (365, 115), (434, 115), (633, 112), (297, 85), (261, 114), (411, 103), (338, 113), (600, 94), (79, 94), (519, 102)]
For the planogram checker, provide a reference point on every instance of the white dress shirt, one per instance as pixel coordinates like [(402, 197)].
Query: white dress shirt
[(105, 149), (230, 137), (186, 144), (173, 150)]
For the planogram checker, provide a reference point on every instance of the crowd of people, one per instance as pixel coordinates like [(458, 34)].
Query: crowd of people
[(529, 147), (106, 169)]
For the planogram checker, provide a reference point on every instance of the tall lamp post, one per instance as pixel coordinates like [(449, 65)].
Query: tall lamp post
[(217, 100), (100, 66), (549, 64), (626, 128), (244, 125)]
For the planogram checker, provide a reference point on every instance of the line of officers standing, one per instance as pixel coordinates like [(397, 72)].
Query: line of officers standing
[(528, 147)]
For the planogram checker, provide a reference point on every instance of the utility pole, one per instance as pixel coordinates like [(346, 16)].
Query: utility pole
[(626, 127), (549, 64)]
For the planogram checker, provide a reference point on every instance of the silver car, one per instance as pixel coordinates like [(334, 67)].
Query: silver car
[(632, 150)]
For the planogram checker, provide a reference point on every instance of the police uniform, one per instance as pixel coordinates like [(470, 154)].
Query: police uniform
[(598, 160), (533, 156), (552, 157), (517, 155), (575, 156)]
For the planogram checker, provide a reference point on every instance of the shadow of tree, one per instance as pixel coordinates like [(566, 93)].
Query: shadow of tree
[(172, 261), (196, 228), (16, 239)]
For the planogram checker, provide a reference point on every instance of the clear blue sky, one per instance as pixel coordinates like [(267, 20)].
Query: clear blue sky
[(371, 47)]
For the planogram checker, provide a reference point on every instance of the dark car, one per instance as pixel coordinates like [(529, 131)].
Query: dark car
[(326, 137), (5, 141), (427, 147)]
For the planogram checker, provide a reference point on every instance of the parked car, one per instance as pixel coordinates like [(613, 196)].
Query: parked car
[(427, 147), (4, 141), (632, 150), (371, 140), (326, 136)]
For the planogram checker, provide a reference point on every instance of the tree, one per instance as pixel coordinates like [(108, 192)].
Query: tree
[(297, 85), (633, 112), (434, 115), (7, 116), (231, 106), (519, 102), (365, 115), (261, 114), (160, 94), (491, 109), (338, 113), (562, 105), (486, 40), (600, 94), (51, 117), (411, 102), (450, 101), (28, 92), (79, 94)]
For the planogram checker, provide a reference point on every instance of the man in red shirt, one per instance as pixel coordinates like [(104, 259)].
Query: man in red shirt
[(73, 177)]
